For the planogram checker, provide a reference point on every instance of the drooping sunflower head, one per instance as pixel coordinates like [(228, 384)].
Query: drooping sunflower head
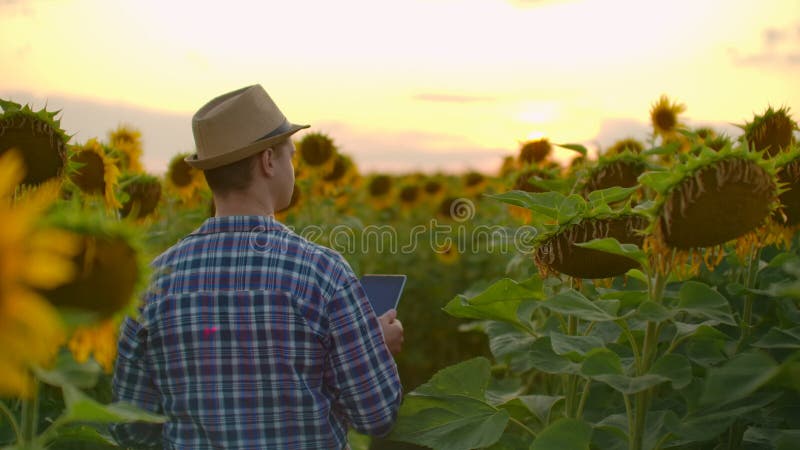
[(534, 152), (38, 136), (629, 144), (772, 131), (98, 173), (619, 169), (564, 221), (316, 149), (110, 262), (557, 252), (127, 145), (664, 116), (787, 165), (715, 197), (141, 193)]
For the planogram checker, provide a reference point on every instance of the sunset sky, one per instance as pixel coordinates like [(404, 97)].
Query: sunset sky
[(404, 85)]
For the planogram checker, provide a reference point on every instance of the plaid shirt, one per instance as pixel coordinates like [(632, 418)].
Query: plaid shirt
[(251, 337)]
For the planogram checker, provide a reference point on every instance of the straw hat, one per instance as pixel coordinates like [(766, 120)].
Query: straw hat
[(236, 125)]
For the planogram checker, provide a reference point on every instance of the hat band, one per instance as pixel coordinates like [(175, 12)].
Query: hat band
[(283, 128)]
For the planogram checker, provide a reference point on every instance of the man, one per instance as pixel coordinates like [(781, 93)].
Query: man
[(251, 337)]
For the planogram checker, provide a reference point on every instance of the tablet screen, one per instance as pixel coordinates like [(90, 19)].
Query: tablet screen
[(383, 291)]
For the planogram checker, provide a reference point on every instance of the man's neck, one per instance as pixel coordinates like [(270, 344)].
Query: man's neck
[(241, 204)]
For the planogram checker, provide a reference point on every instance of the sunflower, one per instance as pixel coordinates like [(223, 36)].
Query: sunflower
[(317, 150), (127, 143), (433, 186), (447, 253), (619, 169), (184, 180), (630, 144), (714, 198), (142, 193), (409, 195), (98, 173), (32, 257), (39, 138), (534, 152), (508, 165), (379, 189), (110, 264), (772, 131), (558, 253), (98, 341), (664, 117)]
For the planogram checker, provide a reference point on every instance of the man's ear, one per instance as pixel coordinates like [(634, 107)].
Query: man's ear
[(267, 161)]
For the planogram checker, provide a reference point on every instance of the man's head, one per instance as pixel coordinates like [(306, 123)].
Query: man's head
[(266, 174), (242, 139)]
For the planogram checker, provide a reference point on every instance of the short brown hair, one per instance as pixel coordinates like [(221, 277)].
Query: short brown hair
[(231, 177)]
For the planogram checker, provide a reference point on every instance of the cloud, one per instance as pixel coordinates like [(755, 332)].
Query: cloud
[(451, 98), (780, 47)]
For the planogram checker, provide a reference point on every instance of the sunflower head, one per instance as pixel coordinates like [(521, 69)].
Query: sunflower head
[(184, 180), (38, 136), (447, 253), (379, 186), (620, 169), (772, 131), (629, 144), (97, 173), (409, 194), (342, 166), (508, 165), (110, 263), (558, 252), (142, 193), (534, 152), (473, 179), (433, 186), (316, 149), (127, 146), (716, 196), (664, 116)]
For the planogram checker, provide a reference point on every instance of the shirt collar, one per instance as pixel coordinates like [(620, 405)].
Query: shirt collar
[(227, 224)]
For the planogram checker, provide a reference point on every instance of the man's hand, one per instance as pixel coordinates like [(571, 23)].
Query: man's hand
[(392, 331)]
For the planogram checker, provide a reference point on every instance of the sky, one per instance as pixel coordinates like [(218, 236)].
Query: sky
[(406, 85)]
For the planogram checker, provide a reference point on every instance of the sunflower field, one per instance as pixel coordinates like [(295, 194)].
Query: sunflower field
[(646, 298)]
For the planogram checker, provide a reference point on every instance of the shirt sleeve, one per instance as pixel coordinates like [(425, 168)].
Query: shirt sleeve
[(361, 371), (133, 383)]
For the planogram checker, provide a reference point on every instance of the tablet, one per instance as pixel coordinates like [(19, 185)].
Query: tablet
[(383, 291)]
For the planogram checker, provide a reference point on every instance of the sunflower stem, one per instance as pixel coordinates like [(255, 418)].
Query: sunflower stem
[(750, 283), (30, 414), (12, 420)]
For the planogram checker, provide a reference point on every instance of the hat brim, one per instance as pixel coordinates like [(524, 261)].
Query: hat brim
[(241, 153)]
